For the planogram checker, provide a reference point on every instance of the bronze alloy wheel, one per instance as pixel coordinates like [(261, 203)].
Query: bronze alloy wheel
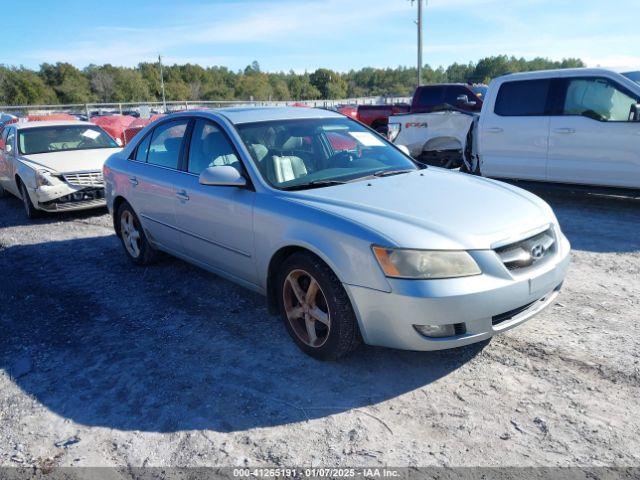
[(306, 308)]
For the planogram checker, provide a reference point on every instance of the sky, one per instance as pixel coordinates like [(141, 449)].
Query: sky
[(301, 35)]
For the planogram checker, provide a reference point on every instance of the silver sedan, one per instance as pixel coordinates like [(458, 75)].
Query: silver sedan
[(349, 239)]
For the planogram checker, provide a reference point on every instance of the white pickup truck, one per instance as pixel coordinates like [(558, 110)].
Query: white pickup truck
[(576, 126)]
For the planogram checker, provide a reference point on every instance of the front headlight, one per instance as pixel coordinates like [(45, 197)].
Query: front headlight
[(425, 264), (393, 131), (43, 178)]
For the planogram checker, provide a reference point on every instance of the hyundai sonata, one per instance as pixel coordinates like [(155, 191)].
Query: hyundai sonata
[(349, 239)]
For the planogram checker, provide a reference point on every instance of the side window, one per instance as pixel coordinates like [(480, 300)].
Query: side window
[(210, 148), (597, 98), (522, 99), (164, 149), (140, 154)]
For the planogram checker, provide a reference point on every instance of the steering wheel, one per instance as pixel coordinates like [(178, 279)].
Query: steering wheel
[(341, 159)]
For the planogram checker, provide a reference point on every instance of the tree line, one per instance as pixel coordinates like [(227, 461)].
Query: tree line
[(62, 83)]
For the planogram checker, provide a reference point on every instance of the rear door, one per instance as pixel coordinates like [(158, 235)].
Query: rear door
[(592, 141), (514, 135), (216, 222), (153, 174)]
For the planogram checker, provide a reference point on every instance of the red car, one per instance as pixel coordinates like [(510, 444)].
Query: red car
[(375, 116)]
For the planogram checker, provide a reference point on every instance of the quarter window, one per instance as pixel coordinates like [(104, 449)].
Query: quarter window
[(164, 149), (141, 152), (210, 147), (597, 98), (522, 99)]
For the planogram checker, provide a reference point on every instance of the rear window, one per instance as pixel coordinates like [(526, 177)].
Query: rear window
[(429, 96), (522, 99)]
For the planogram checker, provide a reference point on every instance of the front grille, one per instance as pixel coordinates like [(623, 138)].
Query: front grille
[(531, 251), (86, 179)]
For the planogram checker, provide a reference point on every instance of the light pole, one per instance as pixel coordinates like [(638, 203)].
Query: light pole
[(419, 24), (164, 100)]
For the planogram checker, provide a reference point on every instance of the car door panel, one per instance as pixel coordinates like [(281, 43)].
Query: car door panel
[(514, 137), (216, 222), (585, 150), (152, 178)]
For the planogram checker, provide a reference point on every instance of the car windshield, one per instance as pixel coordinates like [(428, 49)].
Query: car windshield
[(298, 154), (63, 138), (635, 76)]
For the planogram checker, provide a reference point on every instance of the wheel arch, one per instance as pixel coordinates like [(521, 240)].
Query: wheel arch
[(443, 143), (277, 259)]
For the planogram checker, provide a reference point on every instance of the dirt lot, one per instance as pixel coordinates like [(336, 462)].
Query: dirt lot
[(103, 363)]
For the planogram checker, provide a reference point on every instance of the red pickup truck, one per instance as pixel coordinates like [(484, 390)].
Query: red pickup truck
[(375, 116), (425, 99)]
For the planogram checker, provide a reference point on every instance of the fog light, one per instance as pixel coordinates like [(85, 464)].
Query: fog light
[(436, 330)]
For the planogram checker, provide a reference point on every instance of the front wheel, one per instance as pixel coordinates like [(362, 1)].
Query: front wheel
[(316, 309), (29, 209), (133, 238)]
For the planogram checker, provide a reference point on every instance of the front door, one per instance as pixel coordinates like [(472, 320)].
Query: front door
[(514, 136), (216, 222), (592, 141)]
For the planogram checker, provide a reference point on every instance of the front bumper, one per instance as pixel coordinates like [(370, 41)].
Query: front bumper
[(485, 304), (64, 197)]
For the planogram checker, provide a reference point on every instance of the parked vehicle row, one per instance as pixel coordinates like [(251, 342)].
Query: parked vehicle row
[(575, 126)]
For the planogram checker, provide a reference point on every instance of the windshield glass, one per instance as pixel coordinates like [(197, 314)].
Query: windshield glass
[(304, 153), (63, 138), (635, 76)]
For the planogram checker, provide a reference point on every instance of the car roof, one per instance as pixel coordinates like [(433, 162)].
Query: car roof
[(51, 123), (560, 72), (237, 115)]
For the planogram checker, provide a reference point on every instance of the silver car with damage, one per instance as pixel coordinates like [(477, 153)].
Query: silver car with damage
[(54, 166), (349, 239)]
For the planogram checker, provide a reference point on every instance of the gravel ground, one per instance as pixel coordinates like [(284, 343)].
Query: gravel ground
[(103, 363)]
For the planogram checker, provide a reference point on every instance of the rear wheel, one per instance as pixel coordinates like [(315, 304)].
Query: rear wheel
[(316, 309), (29, 209), (133, 238)]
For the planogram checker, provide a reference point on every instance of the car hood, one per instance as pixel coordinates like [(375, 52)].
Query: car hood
[(434, 209), (71, 160)]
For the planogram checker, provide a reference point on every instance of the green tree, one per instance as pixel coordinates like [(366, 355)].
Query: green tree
[(70, 85)]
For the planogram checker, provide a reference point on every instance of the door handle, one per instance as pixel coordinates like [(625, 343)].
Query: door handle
[(133, 181), (564, 130), (182, 195), (494, 130)]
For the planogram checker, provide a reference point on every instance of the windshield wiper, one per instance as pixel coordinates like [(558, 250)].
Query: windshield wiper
[(314, 184), (387, 173)]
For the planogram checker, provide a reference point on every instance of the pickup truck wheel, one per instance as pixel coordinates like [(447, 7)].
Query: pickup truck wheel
[(29, 209), (315, 308), (3, 192), (133, 238)]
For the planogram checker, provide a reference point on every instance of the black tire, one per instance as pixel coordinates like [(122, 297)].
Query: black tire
[(146, 253), (29, 209), (3, 192), (343, 334)]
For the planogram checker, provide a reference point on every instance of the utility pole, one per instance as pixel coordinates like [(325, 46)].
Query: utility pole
[(164, 100), (419, 24)]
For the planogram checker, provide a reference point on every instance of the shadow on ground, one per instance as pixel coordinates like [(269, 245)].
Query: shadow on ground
[(99, 341)]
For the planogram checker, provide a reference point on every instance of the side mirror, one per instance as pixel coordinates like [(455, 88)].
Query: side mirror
[(8, 148), (119, 142), (222, 176), (462, 99), (634, 114)]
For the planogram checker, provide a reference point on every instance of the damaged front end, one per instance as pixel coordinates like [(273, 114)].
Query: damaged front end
[(69, 191)]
